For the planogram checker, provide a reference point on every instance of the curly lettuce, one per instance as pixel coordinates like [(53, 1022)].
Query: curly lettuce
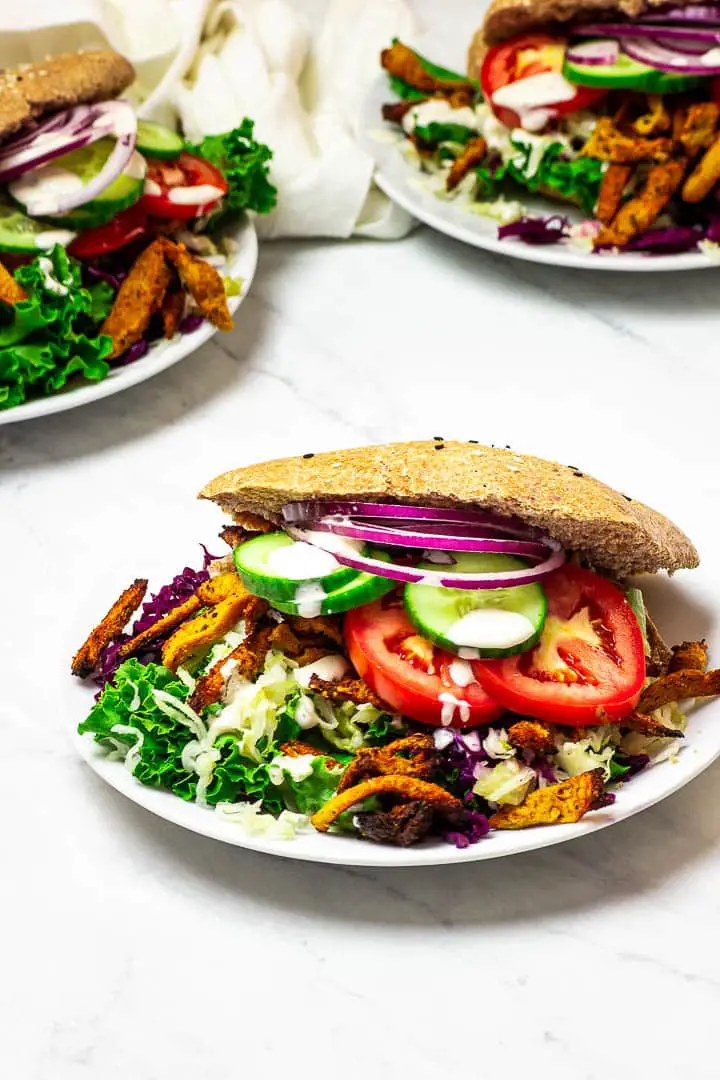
[(53, 334), (244, 163), (575, 180)]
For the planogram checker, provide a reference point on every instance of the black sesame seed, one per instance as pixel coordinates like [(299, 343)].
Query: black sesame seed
[(308, 455), (476, 442), (627, 497), (507, 447), (438, 438), (576, 472), (440, 446), (574, 468)]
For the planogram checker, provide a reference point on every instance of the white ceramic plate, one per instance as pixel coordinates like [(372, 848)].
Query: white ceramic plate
[(163, 354), (679, 618), (403, 182)]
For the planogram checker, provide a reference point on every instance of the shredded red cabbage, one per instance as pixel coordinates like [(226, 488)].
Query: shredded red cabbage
[(190, 323), (670, 241), (537, 230), (634, 763), (473, 828), (181, 588), (135, 352), (113, 278)]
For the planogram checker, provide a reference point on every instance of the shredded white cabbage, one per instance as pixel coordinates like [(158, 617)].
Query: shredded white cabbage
[(507, 782), (252, 821)]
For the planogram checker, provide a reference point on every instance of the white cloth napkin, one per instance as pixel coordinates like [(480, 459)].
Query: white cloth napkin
[(212, 62)]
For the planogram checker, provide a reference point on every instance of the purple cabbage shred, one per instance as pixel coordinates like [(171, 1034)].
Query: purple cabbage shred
[(135, 352), (113, 278), (670, 241), (190, 323), (181, 588), (634, 763), (473, 828), (537, 230)]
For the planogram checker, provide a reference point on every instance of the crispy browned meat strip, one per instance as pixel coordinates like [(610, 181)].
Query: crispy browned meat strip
[(413, 756), (532, 735), (326, 626), (203, 282), (355, 690), (248, 657), (220, 587), (297, 748), (472, 155), (614, 182), (402, 787), (171, 311), (234, 535), (10, 291), (656, 121), (138, 298), (679, 685), (648, 725), (203, 630), (691, 655), (694, 128), (87, 657), (162, 627), (704, 176), (638, 213), (402, 825), (608, 143), (401, 61), (659, 658), (554, 805), (394, 111)]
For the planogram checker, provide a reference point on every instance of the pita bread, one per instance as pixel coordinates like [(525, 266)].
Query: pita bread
[(613, 531), (30, 91), (505, 18)]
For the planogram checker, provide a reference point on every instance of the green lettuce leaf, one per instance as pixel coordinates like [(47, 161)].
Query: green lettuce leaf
[(128, 720), (307, 793), (235, 778), (434, 133), (52, 335), (243, 162), (575, 181)]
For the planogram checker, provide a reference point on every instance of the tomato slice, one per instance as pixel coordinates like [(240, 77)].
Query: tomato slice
[(408, 671), (522, 57), (169, 187), (589, 665), (125, 227)]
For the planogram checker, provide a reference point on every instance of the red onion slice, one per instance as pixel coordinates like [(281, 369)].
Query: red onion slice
[(85, 125), (300, 513), (603, 53), (345, 551), (688, 48), (664, 59), (451, 539), (702, 14), (638, 30)]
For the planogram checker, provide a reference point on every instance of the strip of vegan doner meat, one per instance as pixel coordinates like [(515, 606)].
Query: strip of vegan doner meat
[(704, 176), (608, 143), (419, 759), (531, 735), (471, 156), (162, 627), (614, 182), (648, 725), (138, 298), (639, 212), (401, 61), (405, 787), (204, 630), (691, 655), (171, 311), (679, 685), (555, 805), (203, 282), (87, 657), (355, 690)]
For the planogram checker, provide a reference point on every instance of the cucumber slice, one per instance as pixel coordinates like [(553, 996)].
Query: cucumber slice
[(86, 163), (629, 74), (361, 590), (25, 235), (158, 141), (275, 567), (479, 623)]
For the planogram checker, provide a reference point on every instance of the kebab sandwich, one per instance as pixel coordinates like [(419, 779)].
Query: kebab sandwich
[(410, 641)]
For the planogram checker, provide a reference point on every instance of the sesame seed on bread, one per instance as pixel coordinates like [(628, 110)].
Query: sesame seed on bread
[(505, 18), (585, 515), (30, 91)]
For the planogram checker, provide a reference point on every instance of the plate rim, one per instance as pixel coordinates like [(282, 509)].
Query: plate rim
[(205, 822), (448, 219), (161, 355)]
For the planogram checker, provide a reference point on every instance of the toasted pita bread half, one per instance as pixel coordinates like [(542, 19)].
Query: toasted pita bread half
[(505, 18), (30, 91), (613, 531)]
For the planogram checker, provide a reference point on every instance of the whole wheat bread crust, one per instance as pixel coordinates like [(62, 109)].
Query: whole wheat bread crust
[(30, 91), (610, 529), (504, 18)]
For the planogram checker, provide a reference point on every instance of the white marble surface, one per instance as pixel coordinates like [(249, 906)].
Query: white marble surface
[(132, 949)]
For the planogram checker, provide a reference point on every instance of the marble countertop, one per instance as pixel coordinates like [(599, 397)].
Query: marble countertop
[(136, 950)]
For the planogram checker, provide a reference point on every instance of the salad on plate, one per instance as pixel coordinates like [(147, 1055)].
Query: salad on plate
[(114, 231), (613, 111), (423, 641)]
